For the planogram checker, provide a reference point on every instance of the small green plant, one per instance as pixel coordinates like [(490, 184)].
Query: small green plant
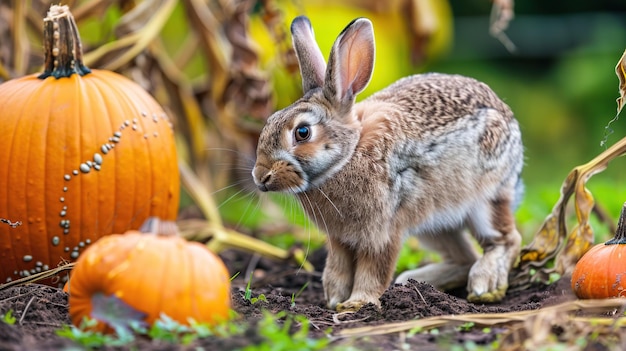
[(8, 317), (248, 293), (258, 298), (415, 330), (294, 296), (465, 327), (234, 276)]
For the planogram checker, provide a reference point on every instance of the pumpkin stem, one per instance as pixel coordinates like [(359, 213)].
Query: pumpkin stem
[(63, 50), (620, 233), (155, 226)]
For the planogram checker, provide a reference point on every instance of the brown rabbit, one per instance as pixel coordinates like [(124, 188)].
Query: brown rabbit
[(431, 155)]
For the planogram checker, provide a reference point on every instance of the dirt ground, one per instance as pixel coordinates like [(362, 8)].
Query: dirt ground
[(41, 310)]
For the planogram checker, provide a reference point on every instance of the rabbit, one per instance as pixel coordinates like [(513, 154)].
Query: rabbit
[(431, 155)]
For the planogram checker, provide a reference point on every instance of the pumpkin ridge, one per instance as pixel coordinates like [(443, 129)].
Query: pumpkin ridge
[(22, 245), (160, 281), (105, 129), (10, 135), (48, 129), (136, 98), (154, 183), (190, 283), (88, 148), (124, 209)]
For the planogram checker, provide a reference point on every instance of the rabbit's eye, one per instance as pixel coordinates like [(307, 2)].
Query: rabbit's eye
[(303, 133)]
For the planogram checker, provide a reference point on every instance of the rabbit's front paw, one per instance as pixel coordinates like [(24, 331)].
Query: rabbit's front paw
[(488, 297), (488, 278), (350, 306), (355, 305), (337, 288)]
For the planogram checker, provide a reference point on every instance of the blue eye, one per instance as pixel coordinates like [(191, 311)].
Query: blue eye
[(302, 133)]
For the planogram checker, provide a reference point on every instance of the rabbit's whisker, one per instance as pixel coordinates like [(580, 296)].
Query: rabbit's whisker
[(236, 152), (230, 186), (257, 205), (230, 198), (315, 209), (330, 201)]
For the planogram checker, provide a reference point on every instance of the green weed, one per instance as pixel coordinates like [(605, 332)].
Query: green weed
[(465, 327), (8, 318), (294, 296), (248, 293)]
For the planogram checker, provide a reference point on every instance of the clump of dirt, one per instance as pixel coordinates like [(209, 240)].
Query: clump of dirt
[(41, 310)]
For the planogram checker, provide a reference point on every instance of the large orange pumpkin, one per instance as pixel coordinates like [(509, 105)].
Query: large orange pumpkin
[(601, 272), (85, 153), (154, 274)]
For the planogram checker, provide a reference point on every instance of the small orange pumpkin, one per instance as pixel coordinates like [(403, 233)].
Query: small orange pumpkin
[(85, 153), (153, 274), (601, 272)]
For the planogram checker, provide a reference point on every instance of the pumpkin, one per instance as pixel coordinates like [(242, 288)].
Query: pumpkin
[(85, 153), (601, 272), (154, 274)]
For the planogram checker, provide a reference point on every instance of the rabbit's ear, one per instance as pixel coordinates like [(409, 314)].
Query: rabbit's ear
[(312, 63), (351, 62)]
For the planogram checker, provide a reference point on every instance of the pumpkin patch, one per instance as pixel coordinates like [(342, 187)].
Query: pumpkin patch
[(85, 153)]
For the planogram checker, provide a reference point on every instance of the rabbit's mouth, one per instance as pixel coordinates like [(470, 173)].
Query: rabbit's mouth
[(281, 176)]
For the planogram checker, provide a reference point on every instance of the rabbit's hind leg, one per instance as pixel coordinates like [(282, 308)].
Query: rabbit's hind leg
[(458, 254)]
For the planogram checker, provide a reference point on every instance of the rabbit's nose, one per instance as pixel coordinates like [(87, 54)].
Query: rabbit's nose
[(262, 177)]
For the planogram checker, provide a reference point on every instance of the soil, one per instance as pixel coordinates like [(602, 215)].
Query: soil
[(42, 310)]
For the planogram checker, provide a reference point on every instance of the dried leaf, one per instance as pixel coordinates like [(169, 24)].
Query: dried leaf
[(581, 237), (552, 243), (620, 70), (116, 54), (502, 14), (423, 23), (547, 240), (20, 47), (52, 275), (249, 88)]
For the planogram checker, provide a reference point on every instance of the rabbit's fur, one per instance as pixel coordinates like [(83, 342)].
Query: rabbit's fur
[(430, 155)]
